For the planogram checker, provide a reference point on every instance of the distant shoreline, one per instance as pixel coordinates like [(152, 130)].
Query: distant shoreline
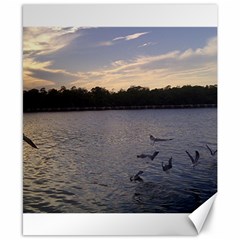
[(69, 109)]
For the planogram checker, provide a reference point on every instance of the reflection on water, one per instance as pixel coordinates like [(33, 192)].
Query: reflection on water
[(85, 161)]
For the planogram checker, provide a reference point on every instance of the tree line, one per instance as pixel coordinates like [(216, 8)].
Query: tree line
[(97, 97)]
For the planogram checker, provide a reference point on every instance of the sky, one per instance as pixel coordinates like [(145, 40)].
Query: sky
[(119, 57)]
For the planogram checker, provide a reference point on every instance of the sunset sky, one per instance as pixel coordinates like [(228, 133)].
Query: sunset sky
[(117, 58)]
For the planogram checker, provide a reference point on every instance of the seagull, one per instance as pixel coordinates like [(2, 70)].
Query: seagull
[(136, 177), (194, 160), (29, 141), (153, 139), (148, 155), (211, 151), (166, 167)]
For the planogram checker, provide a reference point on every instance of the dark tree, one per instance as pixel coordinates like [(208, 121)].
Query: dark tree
[(134, 96)]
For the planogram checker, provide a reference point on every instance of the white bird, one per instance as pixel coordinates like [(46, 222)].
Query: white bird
[(136, 177), (148, 155), (168, 166), (194, 160), (153, 139), (211, 151), (29, 141)]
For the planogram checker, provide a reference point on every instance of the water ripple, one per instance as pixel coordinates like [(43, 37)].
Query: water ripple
[(85, 160)]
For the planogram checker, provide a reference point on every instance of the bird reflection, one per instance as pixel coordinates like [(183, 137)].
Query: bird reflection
[(137, 178)]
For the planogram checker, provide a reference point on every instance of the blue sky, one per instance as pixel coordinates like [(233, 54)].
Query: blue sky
[(119, 57)]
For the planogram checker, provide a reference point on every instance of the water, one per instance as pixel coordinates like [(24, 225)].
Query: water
[(85, 161)]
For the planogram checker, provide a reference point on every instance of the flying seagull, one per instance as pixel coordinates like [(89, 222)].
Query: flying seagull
[(211, 151), (194, 160), (153, 139), (148, 155), (136, 177), (29, 141), (166, 167)]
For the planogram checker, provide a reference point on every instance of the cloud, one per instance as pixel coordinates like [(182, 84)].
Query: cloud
[(210, 49), (125, 38), (37, 83), (44, 40), (29, 64), (130, 37), (105, 44), (118, 63), (147, 44), (124, 73), (59, 76), (140, 61), (36, 74), (193, 66)]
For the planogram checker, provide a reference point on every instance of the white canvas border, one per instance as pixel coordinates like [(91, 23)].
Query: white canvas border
[(107, 224), (121, 15)]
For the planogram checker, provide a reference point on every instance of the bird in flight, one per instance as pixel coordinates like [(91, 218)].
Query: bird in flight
[(211, 151), (168, 166), (148, 155), (194, 160), (29, 141), (154, 139), (136, 177)]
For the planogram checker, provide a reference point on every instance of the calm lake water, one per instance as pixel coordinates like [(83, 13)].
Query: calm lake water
[(85, 161)]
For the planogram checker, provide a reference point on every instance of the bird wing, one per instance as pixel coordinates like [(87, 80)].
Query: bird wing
[(152, 138), (170, 162), (139, 179), (29, 141), (192, 159), (209, 149), (154, 155), (197, 156), (139, 173)]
